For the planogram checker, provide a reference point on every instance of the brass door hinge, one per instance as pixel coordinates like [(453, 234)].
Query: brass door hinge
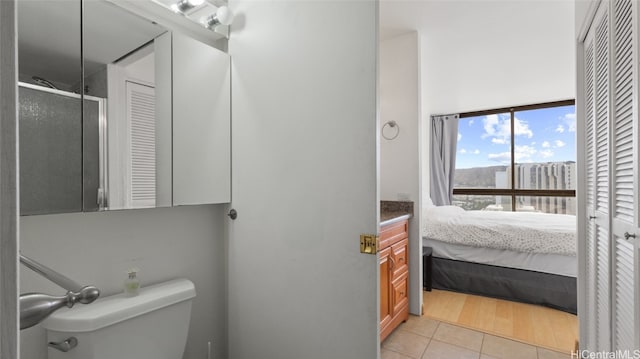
[(369, 243)]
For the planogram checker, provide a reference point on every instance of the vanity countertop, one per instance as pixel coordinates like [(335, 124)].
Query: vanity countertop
[(394, 211)]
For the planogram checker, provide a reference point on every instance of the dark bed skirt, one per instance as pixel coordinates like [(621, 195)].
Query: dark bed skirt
[(551, 290)]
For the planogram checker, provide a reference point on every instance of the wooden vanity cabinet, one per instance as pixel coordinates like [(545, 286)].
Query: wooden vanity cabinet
[(394, 276)]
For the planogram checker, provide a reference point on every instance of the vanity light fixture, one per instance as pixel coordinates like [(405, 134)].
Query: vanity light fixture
[(183, 6), (222, 16)]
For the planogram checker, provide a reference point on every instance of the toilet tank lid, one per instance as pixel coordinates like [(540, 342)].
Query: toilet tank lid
[(116, 308)]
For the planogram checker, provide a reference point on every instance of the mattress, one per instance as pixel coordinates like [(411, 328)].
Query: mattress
[(559, 264), (515, 231)]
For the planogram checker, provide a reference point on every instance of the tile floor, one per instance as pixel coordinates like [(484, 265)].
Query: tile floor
[(424, 338)]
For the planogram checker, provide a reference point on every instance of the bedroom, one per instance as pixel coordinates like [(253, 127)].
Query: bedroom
[(461, 59)]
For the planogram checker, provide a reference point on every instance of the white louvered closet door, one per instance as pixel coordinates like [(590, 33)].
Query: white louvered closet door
[(624, 172), (591, 260), (142, 169), (611, 155), (601, 239)]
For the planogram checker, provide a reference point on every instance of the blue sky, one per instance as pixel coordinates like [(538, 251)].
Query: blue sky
[(544, 135)]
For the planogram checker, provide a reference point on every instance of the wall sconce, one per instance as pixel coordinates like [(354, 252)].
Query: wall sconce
[(182, 6), (222, 16)]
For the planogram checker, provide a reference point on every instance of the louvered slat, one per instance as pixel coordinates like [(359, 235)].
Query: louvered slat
[(624, 294), (143, 147), (602, 283), (602, 115), (623, 167), (590, 117), (591, 320)]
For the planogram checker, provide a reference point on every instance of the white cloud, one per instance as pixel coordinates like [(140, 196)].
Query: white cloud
[(459, 136), (499, 127), (546, 153), (471, 121), (546, 144), (521, 128), (559, 143), (462, 151), (560, 129), (502, 157), (476, 152), (499, 141), (570, 121), (523, 153), (491, 124)]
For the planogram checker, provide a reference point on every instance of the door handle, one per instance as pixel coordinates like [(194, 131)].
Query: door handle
[(628, 235)]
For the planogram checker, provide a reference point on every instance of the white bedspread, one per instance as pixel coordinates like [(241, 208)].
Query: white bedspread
[(517, 231)]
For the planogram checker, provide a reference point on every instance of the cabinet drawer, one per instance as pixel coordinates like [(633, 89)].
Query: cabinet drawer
[(400, 257), (400, 288), (392, 233)]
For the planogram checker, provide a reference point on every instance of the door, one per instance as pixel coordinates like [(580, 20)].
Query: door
[(597, 113), (304, 181), (624, 169), (386, 309), (611, 156), (8, 183)]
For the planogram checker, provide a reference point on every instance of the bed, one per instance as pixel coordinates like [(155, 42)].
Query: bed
[(523, 256)]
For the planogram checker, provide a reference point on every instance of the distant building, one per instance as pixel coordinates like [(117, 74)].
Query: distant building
[(550, 175)]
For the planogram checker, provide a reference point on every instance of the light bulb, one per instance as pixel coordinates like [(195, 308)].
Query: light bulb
[(223, 16)]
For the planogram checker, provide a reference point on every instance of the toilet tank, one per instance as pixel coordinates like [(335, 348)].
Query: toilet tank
[(152, 325)]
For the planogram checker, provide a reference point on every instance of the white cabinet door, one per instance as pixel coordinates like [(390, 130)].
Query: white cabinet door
[(201, 123)]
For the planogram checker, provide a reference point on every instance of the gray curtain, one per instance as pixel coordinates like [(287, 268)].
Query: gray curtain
[(444, 140)]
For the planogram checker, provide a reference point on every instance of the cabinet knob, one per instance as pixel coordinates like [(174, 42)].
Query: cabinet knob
[(628, 235), (233, 214)]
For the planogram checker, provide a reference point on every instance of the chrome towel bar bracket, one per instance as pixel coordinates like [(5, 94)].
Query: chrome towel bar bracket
[(35, 307)]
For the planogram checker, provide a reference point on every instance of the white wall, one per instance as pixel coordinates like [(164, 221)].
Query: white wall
[(399, 96), (399, 101), (584, 12), (482, 54), (165, 243)]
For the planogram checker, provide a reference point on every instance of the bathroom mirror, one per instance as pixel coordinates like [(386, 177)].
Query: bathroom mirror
[(89, 143), (128, 115), (121, 51), (50, 107)]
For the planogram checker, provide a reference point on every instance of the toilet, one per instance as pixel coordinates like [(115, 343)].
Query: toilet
[(151, 325)]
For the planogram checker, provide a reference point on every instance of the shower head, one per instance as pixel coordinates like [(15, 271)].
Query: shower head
[(44, 82)]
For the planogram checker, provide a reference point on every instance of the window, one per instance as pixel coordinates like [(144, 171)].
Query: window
[(517, 159)]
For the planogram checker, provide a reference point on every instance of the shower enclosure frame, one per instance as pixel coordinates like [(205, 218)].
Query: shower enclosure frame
[(102, 135)]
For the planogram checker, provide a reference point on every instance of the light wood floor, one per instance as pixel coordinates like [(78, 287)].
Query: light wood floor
[(532, 324)]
